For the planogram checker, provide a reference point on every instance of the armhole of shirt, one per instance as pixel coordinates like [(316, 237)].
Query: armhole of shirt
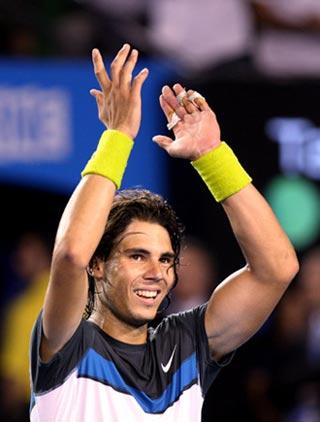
[(39, 367), (208, 367)]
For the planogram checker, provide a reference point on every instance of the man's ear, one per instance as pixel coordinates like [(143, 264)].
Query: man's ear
[(96, 269)]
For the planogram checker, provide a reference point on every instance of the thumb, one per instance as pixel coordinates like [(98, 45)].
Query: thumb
[(98, 95), (163, 141), (139, 81)]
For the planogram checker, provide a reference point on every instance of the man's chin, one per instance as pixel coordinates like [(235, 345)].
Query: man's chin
[(141, 319), (134, 317)]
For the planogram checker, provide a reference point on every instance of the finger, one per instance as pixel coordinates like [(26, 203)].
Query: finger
[(166, 108), (180, 92), (202, 104), (118, 62), (184, 101), (171, 99), (172, 118), (100, 71), (138, 81), (163, 141), (126, 74), (198, 100), (178, 88), (95, 92), (189, 106), (175, 120), (98, 95)]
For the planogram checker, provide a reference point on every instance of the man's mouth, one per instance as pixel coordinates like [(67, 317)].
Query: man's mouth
[(147, 295)]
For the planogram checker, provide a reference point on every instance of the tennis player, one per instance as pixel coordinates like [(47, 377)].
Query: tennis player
[(93, 357)]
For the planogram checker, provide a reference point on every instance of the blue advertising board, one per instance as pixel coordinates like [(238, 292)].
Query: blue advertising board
[(49, 125)]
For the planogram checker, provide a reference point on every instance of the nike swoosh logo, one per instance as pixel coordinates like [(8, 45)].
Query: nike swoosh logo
[(166, 367)]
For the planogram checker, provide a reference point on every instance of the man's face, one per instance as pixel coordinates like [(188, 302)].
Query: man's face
[(139, 273)]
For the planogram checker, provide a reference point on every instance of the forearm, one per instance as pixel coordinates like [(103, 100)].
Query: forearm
[(265, 245), (84, 219)]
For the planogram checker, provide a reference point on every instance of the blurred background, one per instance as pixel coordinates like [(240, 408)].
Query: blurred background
[(257, 62)]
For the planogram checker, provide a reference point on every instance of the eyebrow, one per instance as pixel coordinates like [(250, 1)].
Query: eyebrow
[(146, 252)]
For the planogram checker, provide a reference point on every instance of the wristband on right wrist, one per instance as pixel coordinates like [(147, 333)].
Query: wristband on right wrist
[(222, 172), (111, 156)]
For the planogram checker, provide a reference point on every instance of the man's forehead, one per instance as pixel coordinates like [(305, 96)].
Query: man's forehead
[(144, 236), (132, 235), (144, 227)]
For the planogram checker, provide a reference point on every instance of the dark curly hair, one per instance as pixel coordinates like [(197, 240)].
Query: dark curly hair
[(129, 205)]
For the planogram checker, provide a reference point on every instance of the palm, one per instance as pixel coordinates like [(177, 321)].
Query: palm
[(192, 135), (195, 127)]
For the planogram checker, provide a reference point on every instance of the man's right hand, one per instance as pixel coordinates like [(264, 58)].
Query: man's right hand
[(119, 101), (197, 131)]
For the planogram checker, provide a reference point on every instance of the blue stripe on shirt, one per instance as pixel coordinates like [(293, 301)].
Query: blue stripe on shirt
[(100, 369)]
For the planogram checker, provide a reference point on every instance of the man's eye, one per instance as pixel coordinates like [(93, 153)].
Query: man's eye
[(166, 260), (136, 257)]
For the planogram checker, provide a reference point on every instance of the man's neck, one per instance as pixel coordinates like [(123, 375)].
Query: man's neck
[(118, 329)]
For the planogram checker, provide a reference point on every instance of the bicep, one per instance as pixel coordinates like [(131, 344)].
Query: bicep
[(237, 309), (64, 304)]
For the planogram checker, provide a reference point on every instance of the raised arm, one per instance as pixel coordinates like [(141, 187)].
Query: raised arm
[(84, 219), (241, 303)]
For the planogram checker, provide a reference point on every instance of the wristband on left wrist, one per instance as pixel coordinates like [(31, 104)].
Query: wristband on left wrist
[(111, 156)]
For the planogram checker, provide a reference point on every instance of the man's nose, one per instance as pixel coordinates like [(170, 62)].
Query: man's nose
[(154, 271)]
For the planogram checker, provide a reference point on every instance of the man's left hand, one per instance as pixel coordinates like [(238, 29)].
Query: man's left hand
[(196, 133)]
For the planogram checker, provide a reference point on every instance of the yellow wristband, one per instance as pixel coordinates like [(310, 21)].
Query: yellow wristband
[(111, 156), (222, 172)]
